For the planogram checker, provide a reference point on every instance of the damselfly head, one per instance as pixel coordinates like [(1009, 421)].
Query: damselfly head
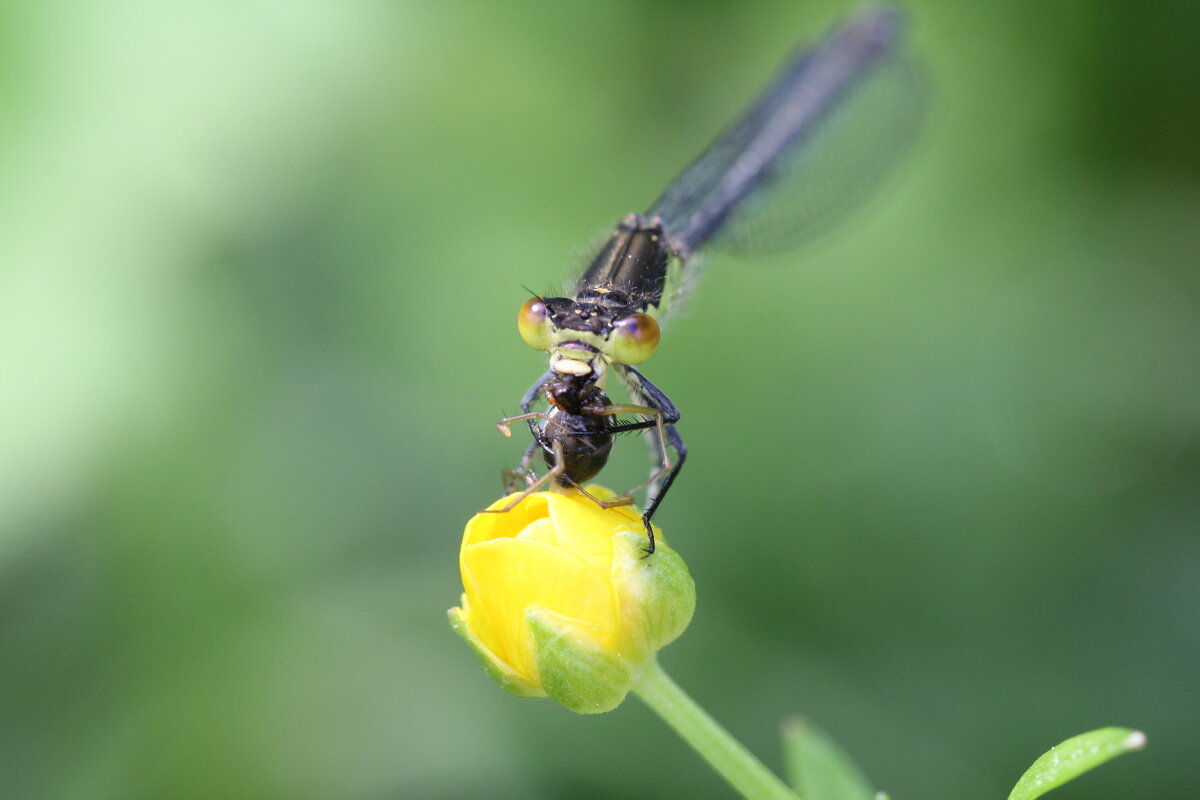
[(584, 335)]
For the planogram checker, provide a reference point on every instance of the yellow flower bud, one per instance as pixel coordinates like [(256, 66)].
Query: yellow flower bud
[(559, 601)]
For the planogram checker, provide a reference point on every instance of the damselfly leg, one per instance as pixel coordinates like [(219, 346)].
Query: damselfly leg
[(577, 443)]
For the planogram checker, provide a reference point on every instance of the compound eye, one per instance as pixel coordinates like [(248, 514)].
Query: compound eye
[(533, 322), (634, 339)]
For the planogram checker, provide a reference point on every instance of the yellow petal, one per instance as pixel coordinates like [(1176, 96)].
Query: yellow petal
[(540, 530), (505, 577), (485, 527), (475, 615), (584, 528)]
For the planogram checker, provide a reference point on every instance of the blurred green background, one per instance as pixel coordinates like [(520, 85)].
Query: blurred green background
[(259, 269)]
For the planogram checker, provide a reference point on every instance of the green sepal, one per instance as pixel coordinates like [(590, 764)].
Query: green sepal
[(501, 673), (1074, 757), (574, 672), (818, 768), (659, 594)]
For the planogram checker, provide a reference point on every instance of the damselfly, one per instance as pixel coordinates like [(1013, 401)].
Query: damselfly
[(817, 139)]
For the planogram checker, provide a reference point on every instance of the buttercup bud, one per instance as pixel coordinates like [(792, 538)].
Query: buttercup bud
[(558, 600)]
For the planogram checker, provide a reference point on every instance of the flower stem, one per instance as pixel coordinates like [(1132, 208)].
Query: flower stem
[(726, 755)]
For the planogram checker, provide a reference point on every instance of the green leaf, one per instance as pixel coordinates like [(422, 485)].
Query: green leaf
[(1074, 757), (817, 768), (576, 673)]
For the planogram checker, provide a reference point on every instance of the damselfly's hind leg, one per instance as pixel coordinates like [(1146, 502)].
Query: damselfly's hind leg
[(662, 439), (657, 493)]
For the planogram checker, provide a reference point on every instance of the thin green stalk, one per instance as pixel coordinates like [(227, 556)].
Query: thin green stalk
[(726, 755)]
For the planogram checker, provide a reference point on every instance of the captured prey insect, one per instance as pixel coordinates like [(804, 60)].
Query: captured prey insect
[(817, 139)]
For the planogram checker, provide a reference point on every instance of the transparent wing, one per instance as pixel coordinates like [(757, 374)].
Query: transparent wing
[(809, 149), (817, 186)]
